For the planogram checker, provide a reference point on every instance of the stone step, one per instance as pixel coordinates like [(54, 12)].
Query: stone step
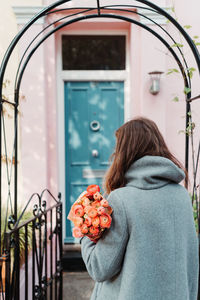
[(72, 259)]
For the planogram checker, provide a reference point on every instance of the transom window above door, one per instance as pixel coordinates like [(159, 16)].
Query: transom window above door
[(93, 52)]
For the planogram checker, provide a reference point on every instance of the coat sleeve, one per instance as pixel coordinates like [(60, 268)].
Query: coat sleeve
[(104, 259)]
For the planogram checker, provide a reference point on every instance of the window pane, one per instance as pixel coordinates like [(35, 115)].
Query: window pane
[(81, 52)]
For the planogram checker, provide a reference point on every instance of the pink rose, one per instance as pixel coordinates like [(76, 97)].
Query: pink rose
[(77, 232), (104, 203), (101, 210)]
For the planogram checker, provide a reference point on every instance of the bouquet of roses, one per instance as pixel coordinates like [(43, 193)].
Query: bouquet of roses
[(90, 214)]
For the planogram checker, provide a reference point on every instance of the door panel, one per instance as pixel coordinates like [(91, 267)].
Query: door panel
[(93, 111)]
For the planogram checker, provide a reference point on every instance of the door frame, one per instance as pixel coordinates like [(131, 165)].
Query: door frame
[(101, 75)]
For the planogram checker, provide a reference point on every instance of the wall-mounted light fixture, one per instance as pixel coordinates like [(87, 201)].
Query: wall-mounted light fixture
[(155, 82)]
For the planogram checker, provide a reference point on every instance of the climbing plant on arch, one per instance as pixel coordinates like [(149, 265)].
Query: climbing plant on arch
[(70, 15)]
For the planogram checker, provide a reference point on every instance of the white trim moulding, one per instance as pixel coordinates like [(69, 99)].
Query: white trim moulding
[(25, 13), (161, 20)]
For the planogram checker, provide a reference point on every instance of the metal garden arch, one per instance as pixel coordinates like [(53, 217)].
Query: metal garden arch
[(80, 14)]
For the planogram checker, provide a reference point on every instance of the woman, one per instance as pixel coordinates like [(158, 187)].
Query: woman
[(150, 251)]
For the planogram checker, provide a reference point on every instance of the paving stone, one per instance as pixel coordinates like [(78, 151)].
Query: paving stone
[(77, 286)]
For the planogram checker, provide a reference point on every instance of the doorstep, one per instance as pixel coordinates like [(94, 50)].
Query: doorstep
[(72, 260)]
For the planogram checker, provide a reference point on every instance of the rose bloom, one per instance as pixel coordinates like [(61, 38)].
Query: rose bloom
[(97, 196), (95, 221), (94, 230), (77, 232), (88, 195), (78, 210), (78, 221), (104, 203), (101, 210), (105, 221), (93, 188), (85, 201), (96, 204), (92, 212), (88, 221), (109, 210), (87, 208), (84, 229)]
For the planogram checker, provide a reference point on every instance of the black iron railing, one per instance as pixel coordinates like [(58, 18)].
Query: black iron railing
[(32, 254)]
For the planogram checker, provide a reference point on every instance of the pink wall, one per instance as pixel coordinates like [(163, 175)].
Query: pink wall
[(33, 121), (39, 136)]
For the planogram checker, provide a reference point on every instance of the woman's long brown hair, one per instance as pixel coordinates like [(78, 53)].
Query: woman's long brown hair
[(135, 139)]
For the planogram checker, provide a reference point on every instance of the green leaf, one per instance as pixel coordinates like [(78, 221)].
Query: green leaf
[(196, 37), (175, 99), (190, 71), (189, 113), (195, 215), (170, 71), (197, 44), (187, 90), (173, 9), (187, 26), (177, 45)]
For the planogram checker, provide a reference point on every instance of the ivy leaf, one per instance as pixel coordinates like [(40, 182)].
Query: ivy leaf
[(196, 37), (190, 128), (187, 26), (187, 90), (170, 71), (177, 45), (175, 99), (189, 113), (190, 72), (197, 43), (192, 69)]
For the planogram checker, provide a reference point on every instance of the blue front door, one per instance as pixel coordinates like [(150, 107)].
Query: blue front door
[(93, 111)]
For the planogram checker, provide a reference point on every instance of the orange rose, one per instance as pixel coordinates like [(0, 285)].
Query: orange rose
[(101, 210), (93, 230), (109, 210), (84, 229), (88, 221), (78, 210), (92, 189), (105, 221), (104, 203), (96, 204), (95, 221), (87, 208), (97, 196), (92, 212), (88, 195), (77, 221), (77, 232), (85, 201)]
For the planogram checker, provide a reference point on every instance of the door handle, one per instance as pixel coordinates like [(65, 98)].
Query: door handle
[(95, 153)]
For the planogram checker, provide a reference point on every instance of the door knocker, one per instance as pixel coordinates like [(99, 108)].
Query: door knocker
[(95, 125)]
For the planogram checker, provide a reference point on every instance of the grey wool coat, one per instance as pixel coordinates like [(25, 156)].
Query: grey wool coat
[(150, 252)]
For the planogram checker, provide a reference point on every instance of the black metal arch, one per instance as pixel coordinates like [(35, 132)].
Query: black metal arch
[(97, 11)]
